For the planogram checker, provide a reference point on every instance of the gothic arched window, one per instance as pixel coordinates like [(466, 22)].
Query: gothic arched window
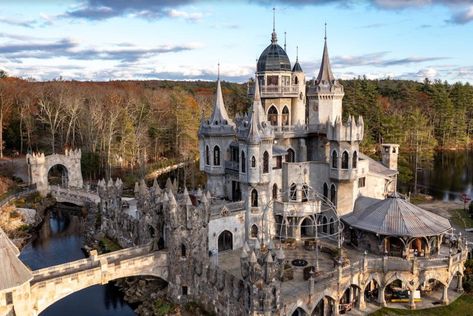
[(334, 159), (254, 198), (254, 231), (285, 116), (265, 162), (325, 190), (293, 192), (243, 162), (345, 160), (332, 227), (355, 160), (291, 155), (305, 193), (333, 194), (253, 162), (216, 156), (207, 155), (275, 191), (273, 115)]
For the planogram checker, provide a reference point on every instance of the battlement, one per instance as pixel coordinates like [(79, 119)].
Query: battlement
[(35, 158), (349, 131), (73, 153)]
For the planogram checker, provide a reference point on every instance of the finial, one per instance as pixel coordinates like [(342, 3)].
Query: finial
[(297, 53), (325, 37), (218, 71), (274, 19), (284, 41)]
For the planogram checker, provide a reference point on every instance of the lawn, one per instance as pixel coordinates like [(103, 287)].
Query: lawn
[(463, 306), (462, 218)]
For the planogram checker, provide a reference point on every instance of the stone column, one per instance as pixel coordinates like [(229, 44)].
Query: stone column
[(361, 305), (335, 311), (445, 295), (460, 283), (412, 303), (381, 300)]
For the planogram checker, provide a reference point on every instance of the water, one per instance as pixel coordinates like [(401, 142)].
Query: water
[(446, 176), (59, 240)]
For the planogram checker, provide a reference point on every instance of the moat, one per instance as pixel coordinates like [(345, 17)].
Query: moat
[(59, 240)]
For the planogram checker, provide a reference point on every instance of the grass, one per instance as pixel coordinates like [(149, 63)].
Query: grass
[(162, 307), (108, 245), (463, 306), (462, 218)]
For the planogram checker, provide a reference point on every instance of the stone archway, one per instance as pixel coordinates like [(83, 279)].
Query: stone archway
[(225, 241), (58, 175), (39, 166)]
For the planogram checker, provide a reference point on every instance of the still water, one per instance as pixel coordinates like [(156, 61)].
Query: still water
[(446, 176), (59, 240)]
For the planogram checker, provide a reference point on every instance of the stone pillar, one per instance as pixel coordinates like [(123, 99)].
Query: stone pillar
[(361, 305), (335, 311), (460, 283), (445, 295), (412, 303), (381, 300)]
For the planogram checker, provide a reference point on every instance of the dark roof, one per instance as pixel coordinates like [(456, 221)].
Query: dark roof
[(297, 67), (394, 216), (273, 58)]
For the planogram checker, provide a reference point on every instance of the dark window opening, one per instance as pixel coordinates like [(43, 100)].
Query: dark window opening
[(243, 162), (216, 156), (354, 163), (345, 160), (207, 155), (273, 116), (265, 162), (291, 155), (225, 241), (285, 116), (9, 298), (334, 159), (293, 192), (362, 182), (253, 162), (275, 191), (254, 231), (184, 290), (183, 251), (278, 163), (254, 198)]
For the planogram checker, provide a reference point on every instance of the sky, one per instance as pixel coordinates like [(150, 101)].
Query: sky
[(105, 40)]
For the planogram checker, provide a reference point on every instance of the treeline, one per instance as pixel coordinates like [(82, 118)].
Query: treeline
[(127, 124)]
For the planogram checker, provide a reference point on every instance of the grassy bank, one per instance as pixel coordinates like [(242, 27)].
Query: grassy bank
[(462, 218), (462, 306)]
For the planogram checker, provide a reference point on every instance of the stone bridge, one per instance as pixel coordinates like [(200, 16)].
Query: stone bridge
[(49, 285), (73, 195)]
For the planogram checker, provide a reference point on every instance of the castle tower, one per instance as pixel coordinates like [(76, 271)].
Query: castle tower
[(298, 103), (325, 94), (215, 136)]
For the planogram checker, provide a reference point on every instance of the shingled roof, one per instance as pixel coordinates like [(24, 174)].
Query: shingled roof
[(394, 216), (13, 272)]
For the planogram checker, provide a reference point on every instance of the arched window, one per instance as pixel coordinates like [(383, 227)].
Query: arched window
[(333, 194), (285, 116), (345, 160), (183, 251), (275, 191), (296, 80), (216, 156), (325, 190), (332, 227), (254, 198), (265, 162), (305, 193), (324, 224), (253, 162), (291, 155), (273, 115), (254, 231), (354, 162), (293, 192), (207, 155), (243, 162), (334, 159)]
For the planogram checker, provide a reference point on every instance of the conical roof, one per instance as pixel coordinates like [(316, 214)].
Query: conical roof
[(325, 73), (257, 115), (394, 216), (219, 115)]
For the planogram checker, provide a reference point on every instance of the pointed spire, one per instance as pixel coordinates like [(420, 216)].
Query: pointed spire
[(253, 258), (244, 254), (257, 114), (297, 67), (274, 37), (284, 41), (219, 115), (325, 73)]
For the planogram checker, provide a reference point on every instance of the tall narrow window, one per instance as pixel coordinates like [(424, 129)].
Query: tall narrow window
[(216, 156), (183, 250), (275, 191), (325, 190), (293, 192), (285, 116), (207, 155), (265, 162), (333, 194), (305, 193), (253, 162), (243, 162), (273, 115), (254, 198), (334, 159), (354, 162), (345, 160), (291, 155), (254, 231)]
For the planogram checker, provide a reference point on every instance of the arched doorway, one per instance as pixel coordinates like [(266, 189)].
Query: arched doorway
[(225, 241), (396, 292), (418, 247), (319, 308), (299, 312), (291, 155), (371, 291), (307, 228), (393, 246), (349, 299), (58, 175)]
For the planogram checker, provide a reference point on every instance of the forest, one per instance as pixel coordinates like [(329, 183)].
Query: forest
[(141, 125)]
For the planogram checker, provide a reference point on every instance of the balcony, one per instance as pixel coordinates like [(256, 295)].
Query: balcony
[(232, 166), (343, 174), (272, 91)]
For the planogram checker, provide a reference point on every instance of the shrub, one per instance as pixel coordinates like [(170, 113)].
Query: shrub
[(14, 214)]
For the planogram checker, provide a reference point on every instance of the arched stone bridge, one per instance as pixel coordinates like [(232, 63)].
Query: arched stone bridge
[(73, 195), (51, 284)]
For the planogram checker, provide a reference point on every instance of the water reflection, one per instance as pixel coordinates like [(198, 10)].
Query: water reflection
[(59, 240)]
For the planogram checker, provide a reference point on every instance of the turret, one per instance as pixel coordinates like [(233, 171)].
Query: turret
[(389, 155)]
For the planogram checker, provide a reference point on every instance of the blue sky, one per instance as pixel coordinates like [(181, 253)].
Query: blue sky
[(185, 39)]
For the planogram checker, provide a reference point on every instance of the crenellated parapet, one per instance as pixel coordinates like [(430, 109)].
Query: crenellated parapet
[(35, 158), (350, 131)]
